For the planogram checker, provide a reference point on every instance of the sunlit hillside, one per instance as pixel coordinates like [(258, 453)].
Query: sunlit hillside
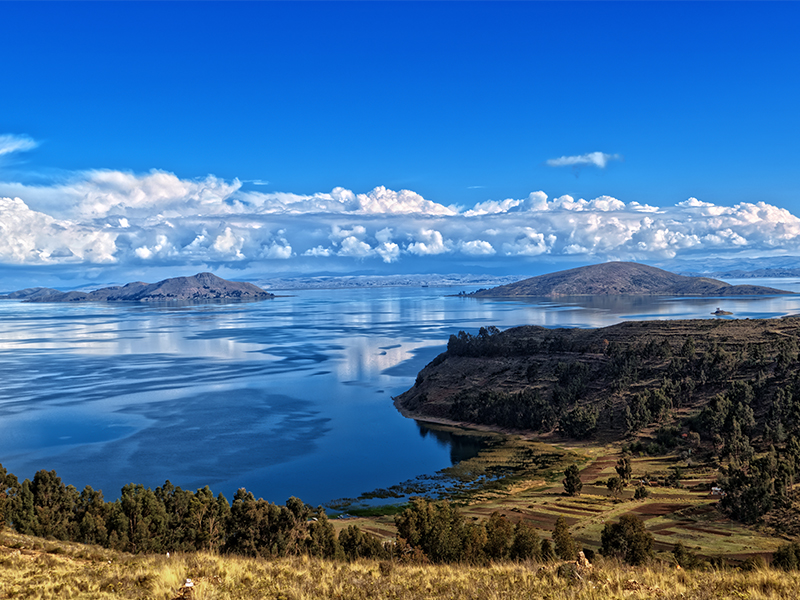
[(36, 568)]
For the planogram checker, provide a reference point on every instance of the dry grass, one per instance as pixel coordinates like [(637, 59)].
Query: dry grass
[(31, 568)]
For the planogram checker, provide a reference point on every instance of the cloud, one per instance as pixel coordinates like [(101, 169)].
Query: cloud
[(529, 242), (477, 248), (429, 241), (592, 159), (31, 237), (535, 201), (159, 219), (318, 251), (16, 143)]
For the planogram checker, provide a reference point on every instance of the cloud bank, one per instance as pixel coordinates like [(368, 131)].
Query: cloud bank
[(158, 219)]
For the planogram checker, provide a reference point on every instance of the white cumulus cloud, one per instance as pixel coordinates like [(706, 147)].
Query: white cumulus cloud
[(157, 218), (477, 248), (428, 241), (593, 159)]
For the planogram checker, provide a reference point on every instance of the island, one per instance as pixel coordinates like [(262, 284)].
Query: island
[(198, 288), (617, 278)]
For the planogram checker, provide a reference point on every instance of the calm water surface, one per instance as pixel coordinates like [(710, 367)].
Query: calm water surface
[(291, 396)]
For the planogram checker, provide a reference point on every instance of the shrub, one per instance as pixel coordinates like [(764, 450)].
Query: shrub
[(787, 557)]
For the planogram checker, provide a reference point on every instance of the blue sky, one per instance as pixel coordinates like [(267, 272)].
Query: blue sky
[(156, 137)]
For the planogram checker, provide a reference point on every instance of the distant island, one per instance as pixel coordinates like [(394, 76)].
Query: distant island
[(200, 287), (617, 278)]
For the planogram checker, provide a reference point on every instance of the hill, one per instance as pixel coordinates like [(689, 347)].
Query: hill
[(629, 376), (200, 287), (614, 278), (729, 386), (31, 294)]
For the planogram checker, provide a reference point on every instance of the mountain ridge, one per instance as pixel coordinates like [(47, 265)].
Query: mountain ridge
[(618, 278), (200, 287)]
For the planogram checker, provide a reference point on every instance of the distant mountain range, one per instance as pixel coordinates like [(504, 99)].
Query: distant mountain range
[(200, 287), (616, 278), (764, 273)]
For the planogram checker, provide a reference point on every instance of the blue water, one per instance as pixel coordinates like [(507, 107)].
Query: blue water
[(291, 396)]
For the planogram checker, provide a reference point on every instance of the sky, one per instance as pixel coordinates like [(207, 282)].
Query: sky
[(145, 140)]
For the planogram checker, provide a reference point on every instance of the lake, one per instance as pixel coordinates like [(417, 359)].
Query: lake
[(291, 396)]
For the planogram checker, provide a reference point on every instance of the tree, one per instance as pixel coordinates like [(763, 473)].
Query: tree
[(142, 519), (499, 537), (580, 422), (358, 544), (53, 505), (628, 539), (260, 528), (685, 558), (641, 492), (437, 529), (572, 481), (623, 469), (687, 350), (615, 485), (90, 515), (9, 487), (526, 543), (564, 544), (322, 540)]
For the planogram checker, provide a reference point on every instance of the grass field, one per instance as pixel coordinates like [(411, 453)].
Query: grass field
[(531, 490), (38, 569)]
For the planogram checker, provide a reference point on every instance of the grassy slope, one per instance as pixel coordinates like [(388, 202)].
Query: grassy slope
[(34, 568), (685, 514)]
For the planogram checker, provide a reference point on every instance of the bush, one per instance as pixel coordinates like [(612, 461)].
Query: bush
[(787, 557)]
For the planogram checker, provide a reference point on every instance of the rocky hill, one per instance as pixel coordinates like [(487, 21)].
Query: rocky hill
[(612, 381), (621, 278), (31, 294), (200, 287)]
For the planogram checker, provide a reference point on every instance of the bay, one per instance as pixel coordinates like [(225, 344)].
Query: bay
[(291, 396)]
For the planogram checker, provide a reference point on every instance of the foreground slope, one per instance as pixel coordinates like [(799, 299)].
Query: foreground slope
[(203, 286), (621, 278), (37, 568)]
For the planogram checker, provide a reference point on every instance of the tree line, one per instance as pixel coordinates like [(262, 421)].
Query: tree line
[(170, 519)]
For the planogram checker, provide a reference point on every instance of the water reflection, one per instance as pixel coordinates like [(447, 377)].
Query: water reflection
[(462, 445)]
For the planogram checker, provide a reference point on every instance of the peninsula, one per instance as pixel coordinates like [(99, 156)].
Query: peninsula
[(617, 278), (200, 287)]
